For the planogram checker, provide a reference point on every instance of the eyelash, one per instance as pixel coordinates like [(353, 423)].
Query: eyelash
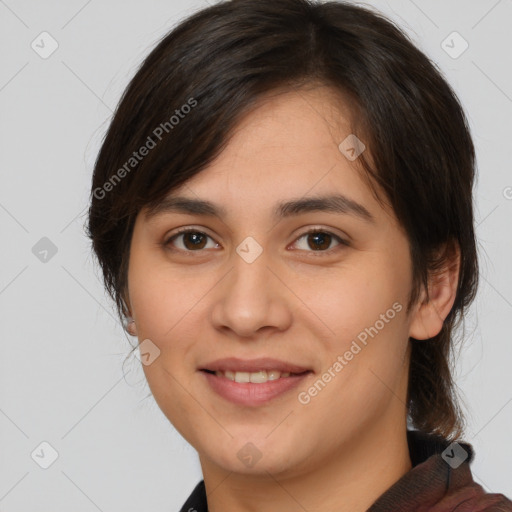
[(182, 231)]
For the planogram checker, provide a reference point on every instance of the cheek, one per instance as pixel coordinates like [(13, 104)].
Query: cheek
[(364, 367), (164, 303), (160, 296), (365, 309), (169, 309), (356, 298)]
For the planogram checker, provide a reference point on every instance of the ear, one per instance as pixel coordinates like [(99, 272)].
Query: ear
[(130, 325), (428, 318), (131, 328)]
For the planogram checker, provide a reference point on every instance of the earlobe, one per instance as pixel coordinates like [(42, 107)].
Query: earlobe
[(430, 314), (130, 327)]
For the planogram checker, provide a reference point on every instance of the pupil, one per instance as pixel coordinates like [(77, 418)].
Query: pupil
[(195, 237), (321, 237)]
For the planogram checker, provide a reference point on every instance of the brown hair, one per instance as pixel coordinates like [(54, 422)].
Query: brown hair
[(185, 100)]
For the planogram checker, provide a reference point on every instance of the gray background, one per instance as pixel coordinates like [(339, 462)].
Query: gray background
[(61, 373)]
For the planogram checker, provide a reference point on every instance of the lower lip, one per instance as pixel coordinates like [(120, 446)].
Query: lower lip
[(249, 393)]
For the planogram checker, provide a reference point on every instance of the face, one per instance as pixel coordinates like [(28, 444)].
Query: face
[(255, 291)]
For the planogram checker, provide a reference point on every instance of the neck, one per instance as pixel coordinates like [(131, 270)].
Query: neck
[(351, 479)]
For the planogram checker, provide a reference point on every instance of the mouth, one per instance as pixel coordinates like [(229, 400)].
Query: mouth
[(259, 365), (258, 377), (252, 382)]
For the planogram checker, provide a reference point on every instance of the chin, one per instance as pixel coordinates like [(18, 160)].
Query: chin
[(258, 456)]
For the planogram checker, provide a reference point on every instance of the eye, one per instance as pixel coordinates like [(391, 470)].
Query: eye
[(319, 240), (192, 240)]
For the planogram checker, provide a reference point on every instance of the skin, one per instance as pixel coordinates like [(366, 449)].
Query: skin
[(348, 445)]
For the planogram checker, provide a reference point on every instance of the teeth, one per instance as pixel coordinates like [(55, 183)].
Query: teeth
[(254, 377), (273, 375), (257, 377), (242, 377)]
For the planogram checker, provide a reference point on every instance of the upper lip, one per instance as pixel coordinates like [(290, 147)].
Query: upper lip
[(234, 364)]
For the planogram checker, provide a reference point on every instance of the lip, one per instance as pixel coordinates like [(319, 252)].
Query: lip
[(233, 364), (251, 394)]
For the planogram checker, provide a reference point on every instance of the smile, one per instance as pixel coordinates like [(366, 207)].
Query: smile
[(254, 377), (252, 389)]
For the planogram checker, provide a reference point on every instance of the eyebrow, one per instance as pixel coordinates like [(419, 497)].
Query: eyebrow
[(333, 204)]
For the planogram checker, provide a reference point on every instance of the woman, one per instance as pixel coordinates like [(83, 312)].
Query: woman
[(282, 210)]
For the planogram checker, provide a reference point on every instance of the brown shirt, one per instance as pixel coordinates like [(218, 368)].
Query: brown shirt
[(439, 481)]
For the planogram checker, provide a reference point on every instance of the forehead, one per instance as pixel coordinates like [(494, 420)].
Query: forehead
[(286, 147), (312, 117)]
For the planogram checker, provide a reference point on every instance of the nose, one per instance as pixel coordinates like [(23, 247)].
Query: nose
[(251, 299)]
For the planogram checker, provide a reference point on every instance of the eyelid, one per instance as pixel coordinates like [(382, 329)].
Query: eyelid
[(189, 229), (315, 229), (318, 229)]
